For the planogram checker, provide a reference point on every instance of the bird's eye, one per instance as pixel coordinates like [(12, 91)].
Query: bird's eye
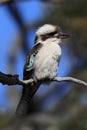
[(44, 37)]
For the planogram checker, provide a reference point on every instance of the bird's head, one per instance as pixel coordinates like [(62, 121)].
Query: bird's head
[(51, 33)]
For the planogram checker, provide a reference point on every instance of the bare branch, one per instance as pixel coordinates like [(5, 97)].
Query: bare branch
[(9, 79), (70, 79)]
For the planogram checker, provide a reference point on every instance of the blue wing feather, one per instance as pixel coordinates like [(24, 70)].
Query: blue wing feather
[(31, 63)]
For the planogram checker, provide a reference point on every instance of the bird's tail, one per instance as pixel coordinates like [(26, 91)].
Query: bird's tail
[(28, 92)]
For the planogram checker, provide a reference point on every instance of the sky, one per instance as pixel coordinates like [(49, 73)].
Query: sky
[(31, 12)]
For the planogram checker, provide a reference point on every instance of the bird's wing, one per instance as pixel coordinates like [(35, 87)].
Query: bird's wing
[(28, 90), (29, 65)]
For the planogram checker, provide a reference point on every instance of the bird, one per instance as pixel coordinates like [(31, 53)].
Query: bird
[(42, 62)]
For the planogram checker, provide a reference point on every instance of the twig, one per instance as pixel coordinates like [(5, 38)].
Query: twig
[(70, 79), (9, 79)]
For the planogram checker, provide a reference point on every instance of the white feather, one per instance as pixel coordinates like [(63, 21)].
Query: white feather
[(46, 61), (47, 28)]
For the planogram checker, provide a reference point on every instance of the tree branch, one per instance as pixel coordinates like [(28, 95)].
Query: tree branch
[(70, 79), (9, 79)]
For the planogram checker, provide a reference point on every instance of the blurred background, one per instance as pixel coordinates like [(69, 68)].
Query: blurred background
[(63, 104)]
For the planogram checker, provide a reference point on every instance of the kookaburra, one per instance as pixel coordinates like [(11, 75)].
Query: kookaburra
[(42, 62)]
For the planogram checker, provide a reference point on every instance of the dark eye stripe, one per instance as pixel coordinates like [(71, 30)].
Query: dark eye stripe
[(51, 34), (46, 36)]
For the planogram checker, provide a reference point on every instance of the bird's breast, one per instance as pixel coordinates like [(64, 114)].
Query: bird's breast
[(46, 61)]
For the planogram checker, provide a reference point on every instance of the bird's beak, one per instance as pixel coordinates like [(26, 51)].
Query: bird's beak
[(64, 35)]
